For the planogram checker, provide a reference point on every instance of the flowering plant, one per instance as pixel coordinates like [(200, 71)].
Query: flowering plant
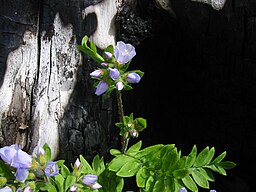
[(155, 168)]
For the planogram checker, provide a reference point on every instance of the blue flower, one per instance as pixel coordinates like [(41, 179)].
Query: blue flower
[(6, 189), (119, 85), (183, 189), (91, 180), (51, 169), (114, 73), (101, 88), (27, 189), (18, 159), (96, 73), (40, 151), (21, 174), (21, 160), (124, 52), (133, 77), (7, 153), (108, 55)]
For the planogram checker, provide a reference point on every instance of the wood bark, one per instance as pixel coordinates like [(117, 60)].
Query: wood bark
[(46, 93)]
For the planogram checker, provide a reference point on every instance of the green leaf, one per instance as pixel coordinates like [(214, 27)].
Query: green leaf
[(48, 187), (142, 176), (180, 173), (110, 182), (93, 47), (189, 183), (118, 162), (98, 165), (6, 170), (134, 148), (140, 124), (200, 179), (206, 173), (170, 184), (191, 157), (109, 49), (219, 158), (86, 168), (159, 185), (59, 180), (92, 52), (204, 157), (115, 152), (69, 181), (149, 183), (129, 169), (64, 170), (217, 169), (169, 157), (227, 164), (48, 153)]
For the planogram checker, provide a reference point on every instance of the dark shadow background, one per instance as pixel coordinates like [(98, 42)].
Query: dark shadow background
[(199, 85)]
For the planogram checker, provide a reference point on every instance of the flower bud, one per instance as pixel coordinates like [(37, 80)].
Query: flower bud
[(97, 73), (96, 186), (3, 181), (77, 163), (133, 77), (101, 88), (108, 55), (73, 188), (119, 85), (90, 179), (114, 73), (40, 151)]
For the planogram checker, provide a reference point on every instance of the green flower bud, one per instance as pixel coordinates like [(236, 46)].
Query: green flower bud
[(3, 181)]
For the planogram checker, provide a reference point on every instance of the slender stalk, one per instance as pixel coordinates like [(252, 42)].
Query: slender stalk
[(125, 138)]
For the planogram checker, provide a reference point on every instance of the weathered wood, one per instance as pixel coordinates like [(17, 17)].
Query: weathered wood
[(44, 77)]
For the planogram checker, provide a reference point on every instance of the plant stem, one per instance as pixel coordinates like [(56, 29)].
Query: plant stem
[(125, 138)]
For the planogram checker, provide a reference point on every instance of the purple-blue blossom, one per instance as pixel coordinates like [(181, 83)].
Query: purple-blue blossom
[(124, 52), (77, 163), (18, 159), (21, 160), (21, 174), (183, 189), (26, 189), (133, 77), (101, 88), (108, 55), (51, 169), (96, 73), (119, 85), (6, 189), (114, 73), (91, 180), (7, 153), (40, 151)]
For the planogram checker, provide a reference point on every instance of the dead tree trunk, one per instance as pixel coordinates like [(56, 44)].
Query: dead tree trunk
[(46, 93)]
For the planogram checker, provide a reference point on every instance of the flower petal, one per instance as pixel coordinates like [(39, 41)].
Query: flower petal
[(101, 88), (133, 77)]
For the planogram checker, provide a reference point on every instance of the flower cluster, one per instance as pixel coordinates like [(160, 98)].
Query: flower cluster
[(29, 173), (113, 71)]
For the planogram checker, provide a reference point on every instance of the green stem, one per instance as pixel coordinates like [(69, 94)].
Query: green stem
[(125, 138)]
